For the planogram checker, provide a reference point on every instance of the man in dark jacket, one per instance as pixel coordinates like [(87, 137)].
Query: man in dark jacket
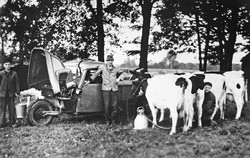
[(9, 88), (208, 105)]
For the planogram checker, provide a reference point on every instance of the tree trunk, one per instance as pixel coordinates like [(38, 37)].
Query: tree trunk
[(206, 49), (199, 40), (21, 53), (146, 13), (229, 46), (2, 53), (221, 50), (100, 41)]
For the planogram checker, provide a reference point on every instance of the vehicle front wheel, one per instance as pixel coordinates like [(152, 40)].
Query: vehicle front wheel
[(36, 117)]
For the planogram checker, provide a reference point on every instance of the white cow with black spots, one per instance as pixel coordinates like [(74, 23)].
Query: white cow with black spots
[(236, 86), (175, 93)]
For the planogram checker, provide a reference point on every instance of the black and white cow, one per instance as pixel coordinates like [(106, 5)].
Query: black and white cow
[(138, 89), (231, 82), (174, 92), (236, 86)]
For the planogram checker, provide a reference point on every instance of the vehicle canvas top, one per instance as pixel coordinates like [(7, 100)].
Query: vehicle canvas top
[(88, 64), (44, 70), (82, 63)]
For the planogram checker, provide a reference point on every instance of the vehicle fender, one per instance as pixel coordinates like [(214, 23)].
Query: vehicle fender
[(32, 104)]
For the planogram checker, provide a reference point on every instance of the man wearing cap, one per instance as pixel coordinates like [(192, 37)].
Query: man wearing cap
[(208, 105), (109, 87), (9, 88)]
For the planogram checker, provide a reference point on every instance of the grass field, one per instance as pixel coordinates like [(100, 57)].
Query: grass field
[(88, 136)]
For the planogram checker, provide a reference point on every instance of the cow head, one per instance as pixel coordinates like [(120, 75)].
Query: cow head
[(182, 82), (139, 74), (197, 82), (139, 81), (138, 89)]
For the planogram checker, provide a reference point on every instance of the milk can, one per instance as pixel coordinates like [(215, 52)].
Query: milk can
[(21, 108), (140, 121)]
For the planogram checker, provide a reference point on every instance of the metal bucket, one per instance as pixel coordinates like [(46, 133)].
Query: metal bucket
[(21, 110)]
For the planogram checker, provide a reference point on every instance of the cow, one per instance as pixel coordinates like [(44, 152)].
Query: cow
[(139, 86), (175, 93), (236, 86), (218, 89)]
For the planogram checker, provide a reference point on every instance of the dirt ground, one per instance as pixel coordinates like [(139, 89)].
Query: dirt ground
[(88, 136)]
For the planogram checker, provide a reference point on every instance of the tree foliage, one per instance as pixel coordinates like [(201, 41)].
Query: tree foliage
[(67, 28), (220, 21), (71, 28), (23, 24)]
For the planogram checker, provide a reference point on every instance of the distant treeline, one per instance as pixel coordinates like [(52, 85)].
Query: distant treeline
[(191, 66), (178, 66)]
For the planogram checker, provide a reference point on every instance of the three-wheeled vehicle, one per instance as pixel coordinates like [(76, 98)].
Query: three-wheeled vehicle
[(61, 91)]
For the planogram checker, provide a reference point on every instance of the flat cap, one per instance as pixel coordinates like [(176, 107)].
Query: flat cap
[(110, 58)]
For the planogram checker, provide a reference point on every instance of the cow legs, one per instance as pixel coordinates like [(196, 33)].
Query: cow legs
[(191, 116), (199, 111), (174, 115), (215, 110), (238, 113), (185, 120), (222, 114), (188, 121), (199, 102), (154, 113), (239, 106), (162, 115), (199, 117)]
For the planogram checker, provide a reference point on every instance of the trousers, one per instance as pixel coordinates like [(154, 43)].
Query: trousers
[(110, 104), (4, 103)]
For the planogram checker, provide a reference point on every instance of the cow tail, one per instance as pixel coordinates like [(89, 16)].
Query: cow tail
[(224, 95), (245, 91)]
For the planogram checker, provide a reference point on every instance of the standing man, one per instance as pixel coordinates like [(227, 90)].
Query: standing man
[(9, 88), (208, 105), (109, 88)]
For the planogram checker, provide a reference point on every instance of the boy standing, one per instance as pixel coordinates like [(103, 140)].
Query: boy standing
[(9, 88)]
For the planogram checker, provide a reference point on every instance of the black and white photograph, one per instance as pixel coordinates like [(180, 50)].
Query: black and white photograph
[(124, 78)]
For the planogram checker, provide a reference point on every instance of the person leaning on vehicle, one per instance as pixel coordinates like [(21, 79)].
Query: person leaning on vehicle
[(109, 87), (208, 105), (9, 88)]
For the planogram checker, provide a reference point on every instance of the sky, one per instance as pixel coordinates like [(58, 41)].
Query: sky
[(121, 57), (182, 58), (159, 56), (2, 2)]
